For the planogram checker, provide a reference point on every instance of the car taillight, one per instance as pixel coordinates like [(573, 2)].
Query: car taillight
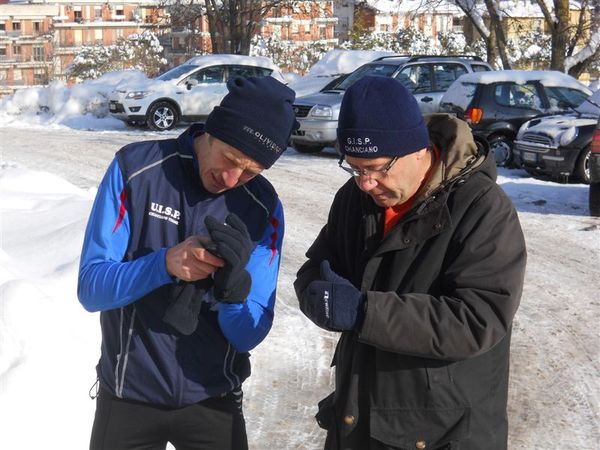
[(473, 115), (596, 142)]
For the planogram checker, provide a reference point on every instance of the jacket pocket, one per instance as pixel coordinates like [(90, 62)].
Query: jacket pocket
[(419, 428), (326, 414), (326, 420)]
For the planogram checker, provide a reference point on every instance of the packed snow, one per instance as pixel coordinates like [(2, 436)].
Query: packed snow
[(52, 161)]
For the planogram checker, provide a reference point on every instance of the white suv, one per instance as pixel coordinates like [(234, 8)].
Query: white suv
[(187, 92)]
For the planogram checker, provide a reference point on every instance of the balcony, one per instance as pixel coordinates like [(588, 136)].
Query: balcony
[(325, 20), (20, 59), (11, 34)]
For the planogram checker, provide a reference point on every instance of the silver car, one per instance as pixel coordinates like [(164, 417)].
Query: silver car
[(427, 77)]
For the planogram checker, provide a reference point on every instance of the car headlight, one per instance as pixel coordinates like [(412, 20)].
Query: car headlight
[(321, 111), (568, 136), (136, 95)]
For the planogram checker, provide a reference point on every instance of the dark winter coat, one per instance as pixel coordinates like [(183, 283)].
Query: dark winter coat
[(429, 368)]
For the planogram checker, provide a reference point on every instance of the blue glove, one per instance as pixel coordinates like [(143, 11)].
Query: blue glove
[(332, 302)]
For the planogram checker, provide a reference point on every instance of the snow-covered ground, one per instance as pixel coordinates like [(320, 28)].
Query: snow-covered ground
[(51, 162)]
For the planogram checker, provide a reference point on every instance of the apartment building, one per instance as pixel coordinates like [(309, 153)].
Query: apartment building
[(302, 22), (383, 16), (95, 22), (26, 47)]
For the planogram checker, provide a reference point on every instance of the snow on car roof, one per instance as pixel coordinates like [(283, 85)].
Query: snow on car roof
[(337, 61), (211, 60), (546, 77)]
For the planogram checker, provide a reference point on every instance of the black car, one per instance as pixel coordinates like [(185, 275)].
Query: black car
[(595, 172), (496, 104), (559, 145)]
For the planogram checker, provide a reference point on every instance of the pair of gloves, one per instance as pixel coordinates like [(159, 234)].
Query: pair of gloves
[(332, 302), (231, 283)]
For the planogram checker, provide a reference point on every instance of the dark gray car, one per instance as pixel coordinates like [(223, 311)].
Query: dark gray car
[(496, 104)]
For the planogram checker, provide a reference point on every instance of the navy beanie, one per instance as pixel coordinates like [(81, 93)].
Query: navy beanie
[(380, 117), (256, 117)]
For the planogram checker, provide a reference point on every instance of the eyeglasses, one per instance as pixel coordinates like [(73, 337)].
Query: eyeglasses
[(371, 174)]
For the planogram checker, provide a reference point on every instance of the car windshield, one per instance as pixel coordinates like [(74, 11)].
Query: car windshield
[(176, 72), (562, 97), (383, 70)]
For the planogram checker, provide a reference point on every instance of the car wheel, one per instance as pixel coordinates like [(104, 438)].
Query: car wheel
[(162, 116), (304, 148), (595, 199), (501, 147), (582, 166)]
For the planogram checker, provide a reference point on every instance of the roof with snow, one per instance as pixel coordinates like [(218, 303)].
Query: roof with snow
[(546, 77)]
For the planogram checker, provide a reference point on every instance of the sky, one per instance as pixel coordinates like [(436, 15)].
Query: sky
[(50, 167)]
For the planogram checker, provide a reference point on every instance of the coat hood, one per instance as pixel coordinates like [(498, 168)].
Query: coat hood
[(459, 153)]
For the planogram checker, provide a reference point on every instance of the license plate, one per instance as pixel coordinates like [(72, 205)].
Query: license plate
[(528, 156), (112, 107)]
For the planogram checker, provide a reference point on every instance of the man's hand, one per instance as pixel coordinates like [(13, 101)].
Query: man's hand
[(332, 302), (233, 243), (191, 261)]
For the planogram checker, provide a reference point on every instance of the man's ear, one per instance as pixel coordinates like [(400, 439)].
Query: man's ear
[(420, 154)]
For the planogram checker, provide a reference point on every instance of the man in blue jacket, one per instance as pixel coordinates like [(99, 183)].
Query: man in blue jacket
[(181, 256)]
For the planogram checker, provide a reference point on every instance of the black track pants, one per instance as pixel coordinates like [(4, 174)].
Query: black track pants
[(213, 424)]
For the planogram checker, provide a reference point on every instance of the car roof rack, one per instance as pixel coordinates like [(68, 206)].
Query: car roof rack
[(421, 57), (391, 56)]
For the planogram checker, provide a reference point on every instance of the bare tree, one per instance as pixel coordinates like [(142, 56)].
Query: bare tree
[(574, 46)]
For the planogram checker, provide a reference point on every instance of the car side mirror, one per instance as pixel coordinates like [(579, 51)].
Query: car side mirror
[(191, 83)]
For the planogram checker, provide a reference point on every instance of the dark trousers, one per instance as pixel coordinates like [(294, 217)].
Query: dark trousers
[(213, 424)]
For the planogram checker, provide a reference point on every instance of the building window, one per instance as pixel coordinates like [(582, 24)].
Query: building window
[(97, 13), (2, 51), (98, 36), (38, 53), (2, 26), (16, 26), (78, 16), (16, 49), (322, 33), (120, 10), (119, 32), (384, 28), (39, 76), (456, 22), (37, 26), (17, 75)]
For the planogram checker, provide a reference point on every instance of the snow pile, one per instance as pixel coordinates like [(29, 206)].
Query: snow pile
[(83, 105)]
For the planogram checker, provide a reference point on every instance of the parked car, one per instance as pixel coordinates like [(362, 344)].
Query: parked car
[(427, 77), (559, 145), (595, 173), (187, 92), (496, 104)]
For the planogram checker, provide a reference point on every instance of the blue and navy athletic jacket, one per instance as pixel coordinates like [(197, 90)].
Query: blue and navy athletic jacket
[(150, 199)]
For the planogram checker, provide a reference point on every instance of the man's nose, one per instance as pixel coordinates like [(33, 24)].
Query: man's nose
[(365, 183), (231, 177)]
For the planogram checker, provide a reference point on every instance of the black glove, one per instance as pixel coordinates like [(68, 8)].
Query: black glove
[(332, 302), (233, 244), (185, 303)]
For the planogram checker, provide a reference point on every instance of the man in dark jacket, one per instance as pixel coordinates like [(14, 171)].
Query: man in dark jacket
[(421, 267), (181, 256)]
